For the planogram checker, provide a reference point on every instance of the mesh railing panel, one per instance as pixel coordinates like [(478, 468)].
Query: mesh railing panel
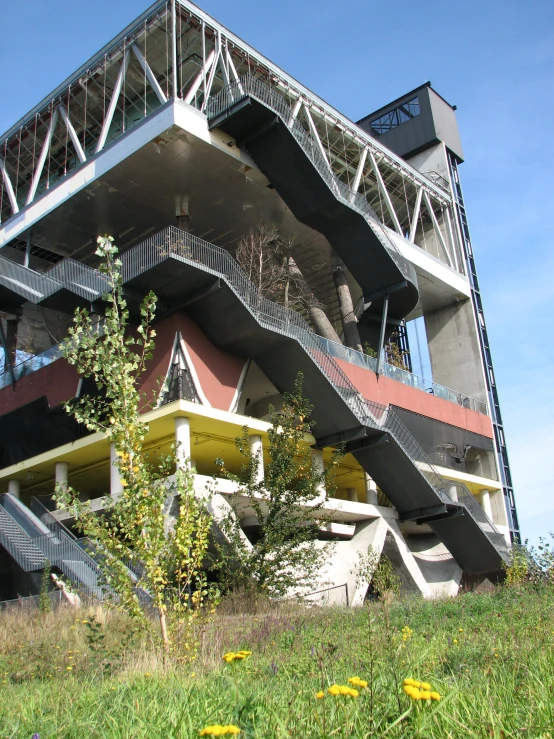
[(31, 285), (85, 281), (19, 544)]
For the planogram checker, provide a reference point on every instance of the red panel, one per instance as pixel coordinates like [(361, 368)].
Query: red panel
[(217, 371), (386, 391), (57, 381)]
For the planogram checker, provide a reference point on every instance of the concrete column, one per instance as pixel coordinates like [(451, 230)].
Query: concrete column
[(257, 451), (317, 460), (61, 475), (115, 477), (486, 503), (352, 495), (14, 488), (370, 491), (453, 493), (182, 442)]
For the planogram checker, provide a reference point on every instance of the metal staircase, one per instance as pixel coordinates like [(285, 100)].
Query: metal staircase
[(235, 316), (33, 543)]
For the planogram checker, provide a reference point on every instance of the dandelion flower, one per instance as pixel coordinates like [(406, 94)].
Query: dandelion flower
[(319, 694)]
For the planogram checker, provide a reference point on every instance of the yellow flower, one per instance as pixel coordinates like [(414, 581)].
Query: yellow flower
[(425, 695), (320, 694), (435, 696), (358, 682), (146, 674), (408, 681), (123, 483), (460, 630), (219, 730), (69, 668), (425, 686), (343, 690), (454, 641), (416, 683), (334, 690)]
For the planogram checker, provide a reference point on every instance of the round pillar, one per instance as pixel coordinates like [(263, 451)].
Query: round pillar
[(370, 491), (453, 493), (257, 451), (115, 477), (14, 488), (352, 495), (317, 460), (486, 503), (182, 442)]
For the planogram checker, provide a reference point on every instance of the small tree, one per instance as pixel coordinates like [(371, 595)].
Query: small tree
[(288, 504), (168, 559)]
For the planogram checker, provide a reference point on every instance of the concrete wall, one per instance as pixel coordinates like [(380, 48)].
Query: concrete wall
[(454, 349)]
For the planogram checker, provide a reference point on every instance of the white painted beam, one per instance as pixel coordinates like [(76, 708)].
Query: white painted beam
[(154, 84), (72, 134), (113, 102), (360, 170), (200, 77), (9, 187), (385, 194), (415, 214), (42, 157), (437, 228)]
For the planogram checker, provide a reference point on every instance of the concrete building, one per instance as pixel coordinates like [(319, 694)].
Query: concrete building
[(178, 139)]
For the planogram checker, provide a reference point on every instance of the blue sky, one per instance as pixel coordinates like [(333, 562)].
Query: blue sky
[(494, 60)]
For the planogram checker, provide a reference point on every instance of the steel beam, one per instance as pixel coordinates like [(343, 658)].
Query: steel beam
[(72, 134), (42, 157), (200, 78), (437, 228), (315, 135), (381, 348), (113, 102), (360, 170), (212, 73), (154, 84), (415, 215), (9, 187), (385, 194)]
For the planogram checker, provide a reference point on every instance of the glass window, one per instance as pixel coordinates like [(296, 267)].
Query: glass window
[(396, 117)]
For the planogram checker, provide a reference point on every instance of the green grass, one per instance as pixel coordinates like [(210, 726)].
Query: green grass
[(296, 652)]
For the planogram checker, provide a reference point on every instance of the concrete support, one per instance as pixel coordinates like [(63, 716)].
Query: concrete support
[(346, 307), (486, 503), (454, 349), (61, 475), (317, 460), (453, 493), (352, 495), (14, 488), (370, 491), (182, 442), (115, 478), (257, 451)]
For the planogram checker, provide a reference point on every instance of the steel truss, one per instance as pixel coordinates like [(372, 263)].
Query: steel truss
[(176, 51)]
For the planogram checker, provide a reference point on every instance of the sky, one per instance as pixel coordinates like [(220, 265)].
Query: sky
[(494, 60)]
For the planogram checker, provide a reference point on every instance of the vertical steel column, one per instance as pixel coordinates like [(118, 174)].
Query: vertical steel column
[(486, 357), (174, 48), (381, 347)]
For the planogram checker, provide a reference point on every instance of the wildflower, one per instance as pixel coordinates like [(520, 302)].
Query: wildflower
[(425, 686), (69, 668), (146, 674), (343, 690), (232, 656), (460, 630), (454, 641), (319, 694), (85, 621), (358, 682), (435, 696), (218, 730)]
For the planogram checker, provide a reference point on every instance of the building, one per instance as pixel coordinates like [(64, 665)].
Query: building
[(178, 139)]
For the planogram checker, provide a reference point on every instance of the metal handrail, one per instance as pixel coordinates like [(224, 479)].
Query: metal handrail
[(250, 86)]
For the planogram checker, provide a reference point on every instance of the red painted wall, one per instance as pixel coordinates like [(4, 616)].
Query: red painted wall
[(386, 391), (217, 371), (57, 381)]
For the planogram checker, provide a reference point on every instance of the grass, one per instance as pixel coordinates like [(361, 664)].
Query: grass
[(490, 656)]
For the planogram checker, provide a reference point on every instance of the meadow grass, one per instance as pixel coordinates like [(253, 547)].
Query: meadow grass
[(490, 656)]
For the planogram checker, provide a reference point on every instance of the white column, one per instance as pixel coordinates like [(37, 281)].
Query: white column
[(115, 476), (486, 503), (14, 488), (352, 495), (182, 442), (257, 451), (61, 475), (453, 493), (370, 491), (317, 459)]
